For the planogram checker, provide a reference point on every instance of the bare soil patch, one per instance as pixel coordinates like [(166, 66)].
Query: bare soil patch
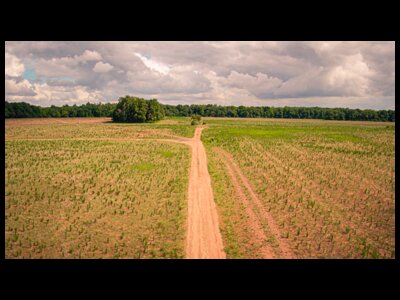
[(168, 122)]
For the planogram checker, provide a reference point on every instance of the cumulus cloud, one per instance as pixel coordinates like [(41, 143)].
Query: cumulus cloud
[(154, 65), (22, 88), (177, 81), (61, 82), (261, 85), (13, 65), (351, 74), (47, 95), (89, 55), (101, 67)]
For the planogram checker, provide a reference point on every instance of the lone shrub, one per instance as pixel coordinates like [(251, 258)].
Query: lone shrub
[(196, 120)]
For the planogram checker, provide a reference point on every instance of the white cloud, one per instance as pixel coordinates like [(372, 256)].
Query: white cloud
[(248, 73), (309, 83), (23, 87), (89, 56), (71, 65), (178, 80), (13, 65), (154, 65), (101, 67), (261, 85), (56, 67), (352, 77), (47, 95)]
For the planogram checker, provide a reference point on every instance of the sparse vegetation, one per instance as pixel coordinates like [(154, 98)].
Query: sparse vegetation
[(78, 195), (328, 185), (91, 190)]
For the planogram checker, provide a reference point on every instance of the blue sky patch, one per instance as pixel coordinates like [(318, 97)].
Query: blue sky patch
[(29, 74)]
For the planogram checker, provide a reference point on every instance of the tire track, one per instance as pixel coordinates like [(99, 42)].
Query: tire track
[(254, 223), (234, 168)]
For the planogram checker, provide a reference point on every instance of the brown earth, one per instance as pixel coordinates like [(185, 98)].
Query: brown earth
[(168, 122)]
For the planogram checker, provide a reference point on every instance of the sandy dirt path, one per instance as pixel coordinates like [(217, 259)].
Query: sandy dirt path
[(203, 235), (203, 238)]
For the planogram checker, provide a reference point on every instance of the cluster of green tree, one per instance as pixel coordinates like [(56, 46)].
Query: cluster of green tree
[(137, 110), (26, 110), (211, 110)]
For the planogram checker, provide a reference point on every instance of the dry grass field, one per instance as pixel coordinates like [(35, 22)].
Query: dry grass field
[(89, 188)]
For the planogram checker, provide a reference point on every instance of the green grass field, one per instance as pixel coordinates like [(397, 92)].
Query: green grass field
[(328, 185)]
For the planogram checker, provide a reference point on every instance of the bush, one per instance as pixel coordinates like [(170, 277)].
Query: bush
[(196, 120), (137, 110)]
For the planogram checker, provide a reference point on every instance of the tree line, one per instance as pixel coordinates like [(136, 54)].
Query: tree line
[(212, 110), (26, 110)]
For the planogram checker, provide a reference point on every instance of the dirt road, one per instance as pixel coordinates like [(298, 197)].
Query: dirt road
[(203, 238), (203, 235)]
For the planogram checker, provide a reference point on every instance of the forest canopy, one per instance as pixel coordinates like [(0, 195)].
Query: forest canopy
[(25, 110)]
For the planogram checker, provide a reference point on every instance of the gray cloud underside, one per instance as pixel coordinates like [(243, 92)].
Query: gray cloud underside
[(329, 74)]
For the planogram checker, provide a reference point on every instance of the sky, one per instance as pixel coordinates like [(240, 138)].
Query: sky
[(261, 73)]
